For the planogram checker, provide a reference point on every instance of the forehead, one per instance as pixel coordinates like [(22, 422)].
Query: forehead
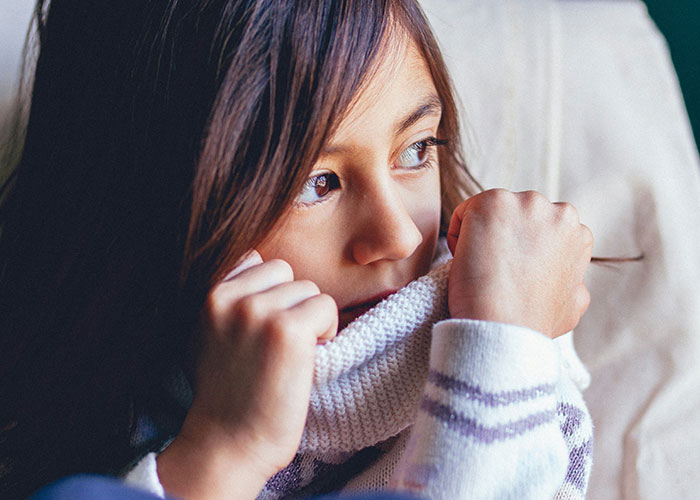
[(400, 82)]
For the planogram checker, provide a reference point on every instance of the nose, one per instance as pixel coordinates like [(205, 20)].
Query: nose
[(385, 229)]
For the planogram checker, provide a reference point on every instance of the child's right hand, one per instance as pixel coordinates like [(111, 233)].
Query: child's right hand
[(519, 259), (253, 383)]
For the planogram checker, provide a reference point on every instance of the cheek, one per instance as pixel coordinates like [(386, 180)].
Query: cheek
[(304, 244), (426, 207), (284, 245)]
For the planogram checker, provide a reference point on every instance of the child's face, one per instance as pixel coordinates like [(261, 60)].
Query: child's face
[(368, 218)]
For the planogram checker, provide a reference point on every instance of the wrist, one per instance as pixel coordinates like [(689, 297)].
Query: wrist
[(206, 462), (494, 356), (501, 310)]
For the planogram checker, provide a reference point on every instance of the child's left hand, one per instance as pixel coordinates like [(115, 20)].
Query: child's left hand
[(519, 259)]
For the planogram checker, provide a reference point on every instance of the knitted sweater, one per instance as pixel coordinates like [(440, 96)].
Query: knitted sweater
[(453, 409)]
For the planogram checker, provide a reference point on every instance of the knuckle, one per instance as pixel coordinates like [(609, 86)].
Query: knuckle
[(499, 195), (532, 202), (217, 309), (280, 327), (249, 311), (568, 212), (531, 197), (216, 302), (282, 268), (497, 192), (494, 199)]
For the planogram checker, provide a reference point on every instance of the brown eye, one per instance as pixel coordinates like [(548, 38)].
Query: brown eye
[(321, 185), (416, 155), (318, 187)]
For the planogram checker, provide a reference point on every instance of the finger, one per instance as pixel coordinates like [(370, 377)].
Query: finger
[(256, 278), (566, 213), (492, 197), (250, 259), (532, 198), (587, 237), (455, 227), (586, 248), (251, 312), (582, 299), (284, 295), (318, 315)]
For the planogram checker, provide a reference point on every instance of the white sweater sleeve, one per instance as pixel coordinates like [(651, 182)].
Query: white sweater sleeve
[(501, 417), (487, 425), (144, 476)]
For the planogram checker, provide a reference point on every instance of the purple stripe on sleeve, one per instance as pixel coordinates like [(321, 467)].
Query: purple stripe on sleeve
[(576, 474), (493, 399), (289, 478), (572, 418), (469, 427)]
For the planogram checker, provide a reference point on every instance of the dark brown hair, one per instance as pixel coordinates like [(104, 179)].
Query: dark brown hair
[(164, 140)]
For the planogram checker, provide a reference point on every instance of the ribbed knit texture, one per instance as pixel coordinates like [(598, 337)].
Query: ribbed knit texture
[(473, 410), (368, 381)]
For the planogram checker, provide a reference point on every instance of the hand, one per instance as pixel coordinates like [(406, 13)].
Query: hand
[(254, 373), (519, 259)]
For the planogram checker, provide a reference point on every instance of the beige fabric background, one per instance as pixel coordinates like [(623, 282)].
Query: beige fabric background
[(578, 99)]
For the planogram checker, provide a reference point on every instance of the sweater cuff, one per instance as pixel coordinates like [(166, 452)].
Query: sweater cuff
[(144, 476), (487, 425), (496, 356)]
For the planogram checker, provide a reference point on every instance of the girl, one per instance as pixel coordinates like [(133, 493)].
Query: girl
[(207, 192)]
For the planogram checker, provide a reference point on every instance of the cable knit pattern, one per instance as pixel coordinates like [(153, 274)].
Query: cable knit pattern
[(449, 409)]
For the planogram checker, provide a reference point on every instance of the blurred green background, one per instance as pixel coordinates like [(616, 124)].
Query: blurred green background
[(679, 21)]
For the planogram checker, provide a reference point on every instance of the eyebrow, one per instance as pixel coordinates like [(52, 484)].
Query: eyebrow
[(429, 105)]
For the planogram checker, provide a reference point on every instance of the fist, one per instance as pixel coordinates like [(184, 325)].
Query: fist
[(260, 328), (519, 259)]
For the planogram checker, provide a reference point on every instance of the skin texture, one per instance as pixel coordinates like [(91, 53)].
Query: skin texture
[(521, 260), (378, 230), (518, 259)]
